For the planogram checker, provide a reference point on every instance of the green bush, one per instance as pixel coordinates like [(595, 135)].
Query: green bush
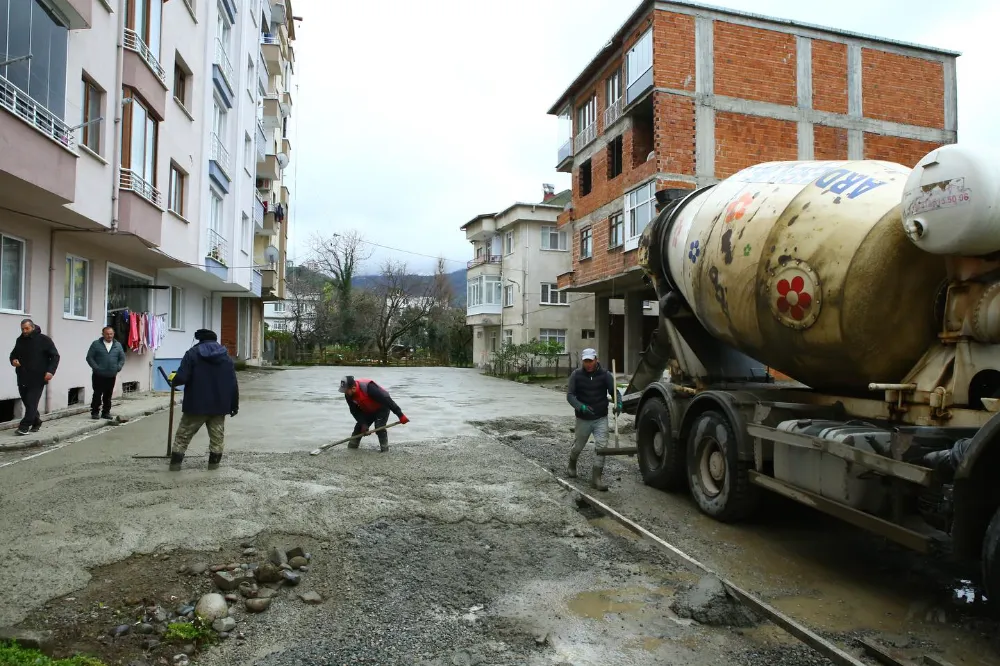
[(12, 654)]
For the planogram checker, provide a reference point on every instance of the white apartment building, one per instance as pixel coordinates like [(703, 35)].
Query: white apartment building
[(109, 151), (512, 295), (296, 314)]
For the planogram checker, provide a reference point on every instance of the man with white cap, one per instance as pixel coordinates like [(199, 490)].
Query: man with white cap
[(588, 391), (369, 404)]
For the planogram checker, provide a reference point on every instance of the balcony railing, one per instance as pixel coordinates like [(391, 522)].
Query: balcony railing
[(134, 43), (256, 283), (586, 135), (219, 153), (566, 151), (258, 211), (485, 259), (21, 105), (261, 143), (222, 60), (613, 112), (270, 38), (218, 247), (133, 182)]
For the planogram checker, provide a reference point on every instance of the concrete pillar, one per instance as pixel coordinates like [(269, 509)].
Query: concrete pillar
[(633, 332), (602, 327)]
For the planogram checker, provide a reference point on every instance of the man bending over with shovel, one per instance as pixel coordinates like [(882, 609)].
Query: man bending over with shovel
[(369, 404)]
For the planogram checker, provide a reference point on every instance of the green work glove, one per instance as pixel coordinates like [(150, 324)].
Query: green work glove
[(584, 410)]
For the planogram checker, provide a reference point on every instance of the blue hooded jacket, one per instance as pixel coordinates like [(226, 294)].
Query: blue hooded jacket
[(209, 378)]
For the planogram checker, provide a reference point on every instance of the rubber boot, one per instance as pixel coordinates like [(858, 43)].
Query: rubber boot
[(94, 415), (595, 479), (571, 469), (175, 461), (213, 460)]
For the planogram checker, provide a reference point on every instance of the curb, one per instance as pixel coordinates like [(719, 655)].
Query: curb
[(90, 427)]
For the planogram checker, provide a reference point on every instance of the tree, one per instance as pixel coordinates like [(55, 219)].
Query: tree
[(339, 256), (304, 290), (397, 305)]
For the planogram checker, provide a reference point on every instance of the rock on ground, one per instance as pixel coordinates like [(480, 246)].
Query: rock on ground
[(708, 602)]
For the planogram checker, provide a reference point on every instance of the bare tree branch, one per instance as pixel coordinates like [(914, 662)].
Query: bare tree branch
[(339, 257)]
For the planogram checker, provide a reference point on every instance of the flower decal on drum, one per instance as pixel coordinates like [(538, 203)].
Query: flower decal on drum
[(694, 251), (795, 294), (737, 209)]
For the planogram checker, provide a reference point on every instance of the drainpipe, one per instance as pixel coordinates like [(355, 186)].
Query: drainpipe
[(116, 160), (50, 317)]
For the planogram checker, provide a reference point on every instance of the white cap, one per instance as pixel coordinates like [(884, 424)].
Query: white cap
[(588, 354)]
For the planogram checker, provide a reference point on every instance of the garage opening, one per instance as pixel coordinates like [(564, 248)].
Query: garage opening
[(75, 396), (7, 409)]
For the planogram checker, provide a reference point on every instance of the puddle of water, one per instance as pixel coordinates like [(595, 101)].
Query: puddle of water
[(652, 644), (595, 604)]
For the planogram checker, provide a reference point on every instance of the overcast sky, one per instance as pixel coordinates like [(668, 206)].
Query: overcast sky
[(412, 118)]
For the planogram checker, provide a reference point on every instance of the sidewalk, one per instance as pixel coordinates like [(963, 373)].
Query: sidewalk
[(73, 422)]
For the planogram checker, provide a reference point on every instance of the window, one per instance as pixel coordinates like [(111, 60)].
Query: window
[(639, 211), (508, 243), (279, 325), (127, 290), (180, 81), (245, 235), (139, 138), (93, 105), (639, 59), (484, 290), (615, 157), (553, 335), (248, 151), (222, 29), (613, 87), (28, 28), (588, 334), (552, 296), (218, 120), (587, 243), (616, 230), (508, 296), (553, 239), (251, 79), (77, 287), (175, 195), (215, 213), (279, 306), (176, 309), (145, 17), (508, 336), (11, 274), (586, 179), (586, 115)]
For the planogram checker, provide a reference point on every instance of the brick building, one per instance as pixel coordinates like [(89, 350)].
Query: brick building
[(685, 95)]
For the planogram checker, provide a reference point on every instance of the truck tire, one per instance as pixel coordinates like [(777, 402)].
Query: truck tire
[(719, 480), (661, 457), (991, 561)]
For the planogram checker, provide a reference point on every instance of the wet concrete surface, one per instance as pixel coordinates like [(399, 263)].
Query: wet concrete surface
[(450, 549)]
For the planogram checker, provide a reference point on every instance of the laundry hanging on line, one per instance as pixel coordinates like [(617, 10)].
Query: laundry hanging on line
[(139, 332)]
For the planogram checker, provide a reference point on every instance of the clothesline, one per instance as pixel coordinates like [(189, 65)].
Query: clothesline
[(139, 332)]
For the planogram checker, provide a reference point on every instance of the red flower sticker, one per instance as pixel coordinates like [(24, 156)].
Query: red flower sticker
[(737, 209), (793, 299)]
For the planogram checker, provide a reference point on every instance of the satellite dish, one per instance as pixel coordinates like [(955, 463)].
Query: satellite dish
[(282, 160), (271, 254)]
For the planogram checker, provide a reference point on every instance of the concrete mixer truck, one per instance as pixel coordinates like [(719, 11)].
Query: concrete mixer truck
[(876, 289)]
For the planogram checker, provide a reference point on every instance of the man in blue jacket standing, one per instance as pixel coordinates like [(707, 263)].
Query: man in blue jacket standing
[(211, 391), (106, 359), (588, 391)]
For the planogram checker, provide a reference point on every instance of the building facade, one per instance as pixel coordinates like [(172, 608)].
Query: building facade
[(512, 293), (684, 96), (110, 145)]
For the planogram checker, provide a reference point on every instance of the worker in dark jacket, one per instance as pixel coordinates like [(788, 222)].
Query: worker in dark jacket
[(369, 404), (106, 358), (588, 391), (211, 391), (35, 360)]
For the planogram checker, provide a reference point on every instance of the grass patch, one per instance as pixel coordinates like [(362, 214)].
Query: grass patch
[(12, 654), (188, 632)]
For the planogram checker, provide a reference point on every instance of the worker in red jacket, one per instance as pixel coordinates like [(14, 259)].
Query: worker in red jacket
[(369, 404)]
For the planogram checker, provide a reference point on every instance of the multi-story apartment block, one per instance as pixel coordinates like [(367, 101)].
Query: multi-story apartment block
[(685, 95), (512, 294), (115, 146)]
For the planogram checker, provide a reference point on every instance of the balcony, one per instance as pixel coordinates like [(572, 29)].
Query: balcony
[(480, 229), (493, 309), (218, 248), (270, 46), (140, 211), (262, 74), (258, 213), (143, 72), (484, 259), (218, 166), (272, 117), (285, 196), (286, 104), (43, 157), (256, 283), (273, 216), (268, 279), (286, 148), (261, 144), (78, 13), (222, 74), (583, 139), (565, 163), (613, 113), (270, 168)]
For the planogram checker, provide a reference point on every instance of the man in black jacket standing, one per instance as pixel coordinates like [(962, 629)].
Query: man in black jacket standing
[(35, 360), (369, 404), (106, 359), (210, 392), (588, 391)]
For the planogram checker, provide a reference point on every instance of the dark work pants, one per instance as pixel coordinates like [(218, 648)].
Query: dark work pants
[(30, 395), (103, 388), (379, 419)]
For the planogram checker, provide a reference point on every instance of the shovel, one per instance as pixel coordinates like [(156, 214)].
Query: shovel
[(332, 444)]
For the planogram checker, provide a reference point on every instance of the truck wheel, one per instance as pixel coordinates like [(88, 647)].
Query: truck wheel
[(991, 561), (720, 483), (661, 458)]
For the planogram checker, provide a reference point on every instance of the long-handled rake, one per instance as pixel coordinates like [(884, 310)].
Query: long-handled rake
[(323, 448)]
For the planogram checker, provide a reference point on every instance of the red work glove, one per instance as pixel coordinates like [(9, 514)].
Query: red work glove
[(403, 419)]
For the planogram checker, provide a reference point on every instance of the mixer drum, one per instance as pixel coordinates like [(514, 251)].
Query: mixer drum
[(806, 267)]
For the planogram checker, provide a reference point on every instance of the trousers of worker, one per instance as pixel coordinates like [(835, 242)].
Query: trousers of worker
[(584, 429), (191, 423)]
